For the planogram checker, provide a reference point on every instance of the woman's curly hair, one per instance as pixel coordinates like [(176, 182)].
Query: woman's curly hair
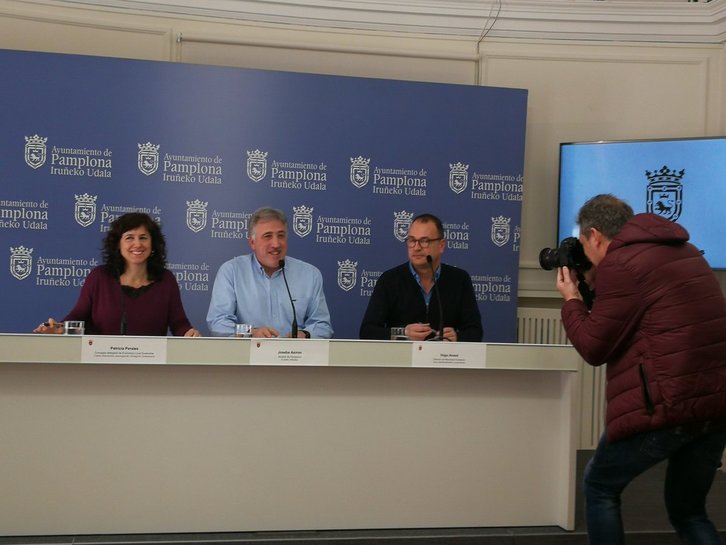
[(155, 265)]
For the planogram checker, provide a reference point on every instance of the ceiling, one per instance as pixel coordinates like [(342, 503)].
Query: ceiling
[(638, 20)]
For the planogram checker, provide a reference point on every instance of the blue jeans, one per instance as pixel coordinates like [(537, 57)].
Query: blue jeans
[(693, 454)]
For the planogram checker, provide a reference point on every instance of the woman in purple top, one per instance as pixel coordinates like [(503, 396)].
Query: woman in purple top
[(133, 293)]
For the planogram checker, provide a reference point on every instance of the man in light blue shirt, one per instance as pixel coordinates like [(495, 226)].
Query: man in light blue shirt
[(251, 288)]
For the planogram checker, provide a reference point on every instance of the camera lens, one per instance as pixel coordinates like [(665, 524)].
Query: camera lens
[(549, 258)]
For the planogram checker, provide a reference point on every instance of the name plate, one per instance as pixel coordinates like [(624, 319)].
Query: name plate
[(445, 354), (120, 349), (289, 352)]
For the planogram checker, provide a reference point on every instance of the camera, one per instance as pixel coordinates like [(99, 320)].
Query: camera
[(570, 253)]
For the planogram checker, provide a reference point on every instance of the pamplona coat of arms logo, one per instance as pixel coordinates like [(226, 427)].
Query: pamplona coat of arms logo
[(148, 160), (85, 209), (500, 230), (359, 171), (401, 223), (458, 177), (665, 192), (21, 262), (35, 151), (347, 274), (196, 215), (256, 165), (302, 220)]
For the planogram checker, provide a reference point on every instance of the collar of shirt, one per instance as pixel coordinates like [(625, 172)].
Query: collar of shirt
[(437, 272), (261, 270)]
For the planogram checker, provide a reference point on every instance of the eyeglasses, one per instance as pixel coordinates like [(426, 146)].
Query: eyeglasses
[(423, 242)]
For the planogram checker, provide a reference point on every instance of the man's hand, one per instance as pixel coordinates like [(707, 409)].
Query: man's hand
[(567, 284), (450, 334), (418, 332), (266, 332)]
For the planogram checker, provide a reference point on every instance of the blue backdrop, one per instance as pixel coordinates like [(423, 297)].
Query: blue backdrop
[(350, 160)]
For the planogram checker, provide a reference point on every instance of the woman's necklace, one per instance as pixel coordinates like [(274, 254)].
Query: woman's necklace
[(134, 282)]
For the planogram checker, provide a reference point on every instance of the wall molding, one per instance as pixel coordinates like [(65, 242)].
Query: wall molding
[(332, 48)]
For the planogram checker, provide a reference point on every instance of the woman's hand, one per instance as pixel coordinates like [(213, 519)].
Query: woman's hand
[(49, 327)]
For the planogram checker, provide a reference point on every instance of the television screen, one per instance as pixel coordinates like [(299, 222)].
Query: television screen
[(683, 180)]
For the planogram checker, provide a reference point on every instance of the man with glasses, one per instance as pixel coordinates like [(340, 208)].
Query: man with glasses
[(419, 293)]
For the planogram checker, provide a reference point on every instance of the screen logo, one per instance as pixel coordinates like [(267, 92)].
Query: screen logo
[(665, 193)]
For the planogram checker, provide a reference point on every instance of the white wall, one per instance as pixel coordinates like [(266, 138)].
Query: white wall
[(578, 90)]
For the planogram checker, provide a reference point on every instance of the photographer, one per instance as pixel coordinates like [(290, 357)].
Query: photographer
[(659, 322)]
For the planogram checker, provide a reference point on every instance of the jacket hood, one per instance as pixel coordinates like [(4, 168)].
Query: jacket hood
[(649, 228)]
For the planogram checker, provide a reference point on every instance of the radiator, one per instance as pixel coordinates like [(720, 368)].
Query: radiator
[(544, 326)]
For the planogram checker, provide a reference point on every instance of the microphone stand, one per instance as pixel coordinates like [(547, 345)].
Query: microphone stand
[(293, 331), (440, 335)]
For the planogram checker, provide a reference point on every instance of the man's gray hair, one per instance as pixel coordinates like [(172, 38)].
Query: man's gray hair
[(606, 213), (266, 213)]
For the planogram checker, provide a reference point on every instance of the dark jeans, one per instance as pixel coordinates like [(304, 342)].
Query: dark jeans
[(694, 456)]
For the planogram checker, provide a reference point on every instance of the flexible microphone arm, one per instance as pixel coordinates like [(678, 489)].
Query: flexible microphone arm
[(293, 331), (440, 336)]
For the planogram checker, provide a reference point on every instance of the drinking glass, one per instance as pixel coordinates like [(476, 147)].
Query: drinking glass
[(243, 330), (74, 327)]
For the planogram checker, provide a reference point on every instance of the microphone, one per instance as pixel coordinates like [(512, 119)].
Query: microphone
[(440, 336), (293, 331)]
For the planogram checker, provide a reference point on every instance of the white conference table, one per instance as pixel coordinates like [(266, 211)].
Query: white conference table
[(213, 437)]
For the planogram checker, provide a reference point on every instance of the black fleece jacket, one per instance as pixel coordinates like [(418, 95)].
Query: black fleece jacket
[(397, 301)]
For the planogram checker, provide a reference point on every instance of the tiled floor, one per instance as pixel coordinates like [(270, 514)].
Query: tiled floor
[(643, 514)]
